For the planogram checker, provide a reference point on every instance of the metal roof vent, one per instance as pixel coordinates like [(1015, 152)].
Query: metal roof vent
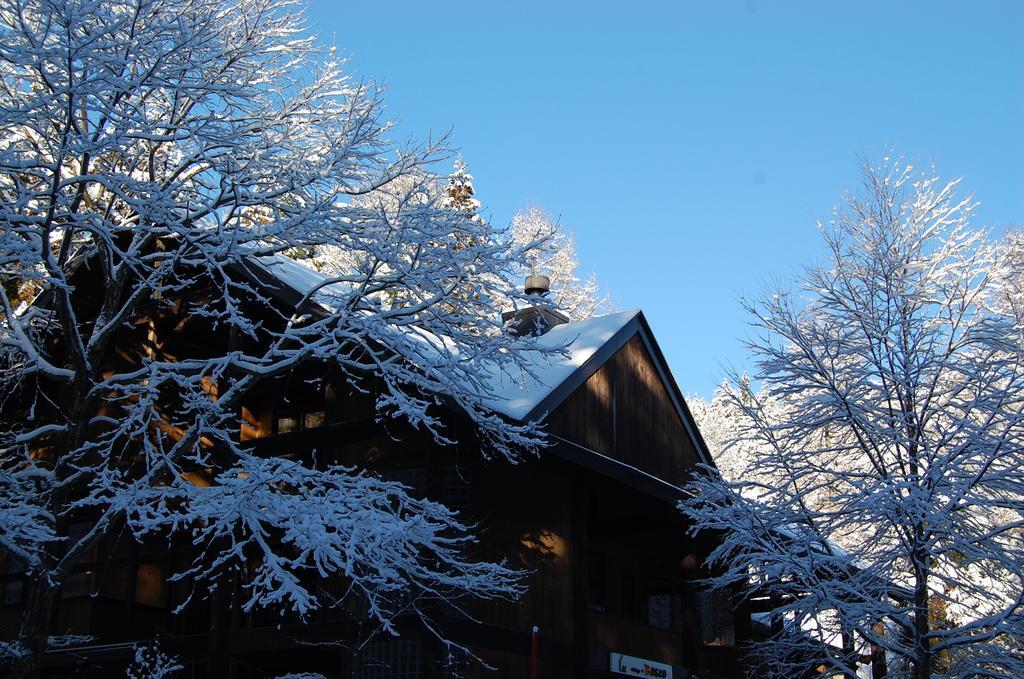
[(540, 316), (536, 284)]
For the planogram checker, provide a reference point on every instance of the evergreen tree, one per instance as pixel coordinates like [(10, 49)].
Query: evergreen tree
[(460, 191)]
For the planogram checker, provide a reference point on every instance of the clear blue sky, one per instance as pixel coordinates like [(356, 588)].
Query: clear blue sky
[(691, 146)]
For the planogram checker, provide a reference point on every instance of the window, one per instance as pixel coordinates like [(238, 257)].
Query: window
[(285, 424), (456, 664), (305, 403), (456, 491), (631, 604), (113, 583), (81, 582), (14, 585), (716, 618), (597, 574), (413, 478), (664, 611), (150, 585), (287, 421), (314, 419)]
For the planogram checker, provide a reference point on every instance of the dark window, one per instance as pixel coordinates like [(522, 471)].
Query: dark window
[(413, 478), (455, 493), (82, 581), (597, 572), (716, 618), (664, 611), (113, 583), (456, 664), (631, 609), (14, 586)]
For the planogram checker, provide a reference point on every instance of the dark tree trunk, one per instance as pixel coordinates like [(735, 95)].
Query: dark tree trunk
[(36, 622), (923, 652), (879, 666), (40, 606), (849, 655)]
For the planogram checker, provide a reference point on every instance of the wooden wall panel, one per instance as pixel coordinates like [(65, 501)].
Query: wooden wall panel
[(524, 514), (624, 411)]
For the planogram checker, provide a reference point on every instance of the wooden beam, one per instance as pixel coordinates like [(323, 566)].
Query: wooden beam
[(580, 579)]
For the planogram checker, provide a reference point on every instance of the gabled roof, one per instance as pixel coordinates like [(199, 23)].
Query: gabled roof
[(565, 353), (564, 358), (592, 342)]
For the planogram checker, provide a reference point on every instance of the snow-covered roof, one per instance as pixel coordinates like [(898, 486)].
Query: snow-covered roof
[(299, 277), (547, 370), (551, 360), (519, 396)]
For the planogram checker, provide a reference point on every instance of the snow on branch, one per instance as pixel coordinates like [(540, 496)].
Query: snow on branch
[(877, 498), (152, 154), (26, 526), (288, 526), (152, 662)]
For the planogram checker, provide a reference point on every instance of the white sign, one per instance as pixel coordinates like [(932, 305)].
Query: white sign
[(638, 667)]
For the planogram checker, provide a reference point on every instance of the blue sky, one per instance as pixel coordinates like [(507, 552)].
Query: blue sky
[(691, 146)]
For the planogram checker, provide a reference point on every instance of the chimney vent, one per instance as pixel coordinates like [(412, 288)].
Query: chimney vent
[(537, 284), (540, 316)]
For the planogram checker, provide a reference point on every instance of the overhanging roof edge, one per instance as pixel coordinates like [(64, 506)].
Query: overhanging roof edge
[(579, 376)]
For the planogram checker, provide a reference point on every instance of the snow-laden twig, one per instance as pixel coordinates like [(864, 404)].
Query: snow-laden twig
[(876, 493), (162, 166)]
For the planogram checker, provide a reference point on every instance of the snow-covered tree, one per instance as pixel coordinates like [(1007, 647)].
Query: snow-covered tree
[(887, 506), (415, 189), (150, 152), (726, 430), (551, 251), (459, 190), (1010, 274), (420, 189)]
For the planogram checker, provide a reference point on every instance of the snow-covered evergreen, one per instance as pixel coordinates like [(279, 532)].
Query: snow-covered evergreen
[(459, 190), (726, 428)]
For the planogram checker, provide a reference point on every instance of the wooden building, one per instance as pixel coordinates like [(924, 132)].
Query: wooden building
[(613, 574)]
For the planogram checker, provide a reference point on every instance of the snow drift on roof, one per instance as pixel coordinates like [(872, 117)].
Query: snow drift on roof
[(518, 395)]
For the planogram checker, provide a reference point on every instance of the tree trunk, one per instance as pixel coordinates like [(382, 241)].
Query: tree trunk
[(879, 666), (36, 621), (849, 656), (40, 606), (923, 652)]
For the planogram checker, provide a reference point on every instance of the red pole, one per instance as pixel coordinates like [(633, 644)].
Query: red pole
[(533, 653)]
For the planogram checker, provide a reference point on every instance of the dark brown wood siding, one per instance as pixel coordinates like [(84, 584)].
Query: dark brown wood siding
[(625, 412), (524, 514)]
